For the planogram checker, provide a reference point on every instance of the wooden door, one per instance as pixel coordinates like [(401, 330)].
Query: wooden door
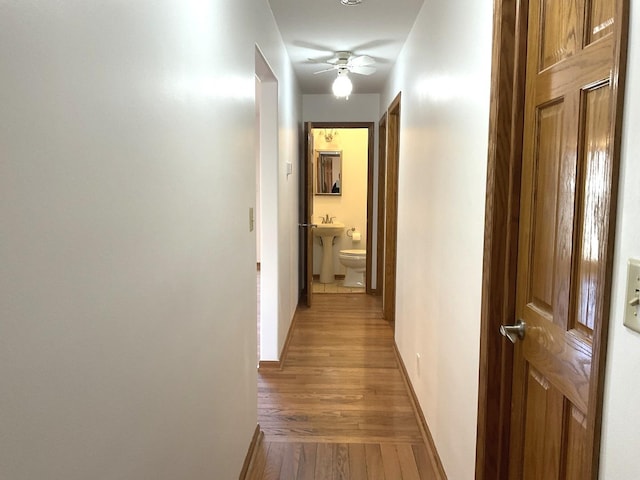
[(306, 220), (382, 165), (565, 241), (391, 210)]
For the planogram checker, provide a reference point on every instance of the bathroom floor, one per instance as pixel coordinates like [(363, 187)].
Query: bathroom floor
[(335, 287)]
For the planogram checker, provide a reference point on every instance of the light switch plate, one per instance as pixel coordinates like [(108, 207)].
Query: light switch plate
[(632, 309)]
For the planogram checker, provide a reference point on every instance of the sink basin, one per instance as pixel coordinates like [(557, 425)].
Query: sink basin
[(327, 232), (330, 229)]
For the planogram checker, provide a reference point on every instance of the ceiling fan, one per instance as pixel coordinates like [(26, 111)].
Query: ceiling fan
[(347, 62)]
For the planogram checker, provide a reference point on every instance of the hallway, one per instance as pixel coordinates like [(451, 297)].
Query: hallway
[(339, 407), (129, 133)]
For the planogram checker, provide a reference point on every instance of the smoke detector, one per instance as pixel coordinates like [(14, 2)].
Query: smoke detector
[(350, 3)]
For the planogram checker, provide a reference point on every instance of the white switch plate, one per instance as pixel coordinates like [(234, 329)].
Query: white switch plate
[(632, 310)]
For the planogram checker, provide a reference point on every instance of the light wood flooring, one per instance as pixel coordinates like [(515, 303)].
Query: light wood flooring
[(339, 408)]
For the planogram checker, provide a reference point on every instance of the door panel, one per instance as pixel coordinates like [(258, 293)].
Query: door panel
[(544, 422), (596, 174), (599, 21), (564, 243), (546, 176), (576, 426), (557, 25)]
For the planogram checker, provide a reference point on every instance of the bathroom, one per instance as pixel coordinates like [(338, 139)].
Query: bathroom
[(345, 202)]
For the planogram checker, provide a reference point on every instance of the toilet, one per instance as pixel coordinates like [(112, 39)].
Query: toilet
[(355, 262)]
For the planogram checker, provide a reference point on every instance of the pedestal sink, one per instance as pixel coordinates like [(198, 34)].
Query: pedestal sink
[(327, 232)]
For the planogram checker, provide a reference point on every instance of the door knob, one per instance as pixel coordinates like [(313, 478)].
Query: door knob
[(513, 332), (312, 225)]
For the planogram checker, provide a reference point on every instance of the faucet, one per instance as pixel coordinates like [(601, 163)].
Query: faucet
[(326, 219)]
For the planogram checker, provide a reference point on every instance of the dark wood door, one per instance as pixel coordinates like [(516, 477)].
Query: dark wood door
[(391, 210), (307, 213), (565, 241), (382, 165)]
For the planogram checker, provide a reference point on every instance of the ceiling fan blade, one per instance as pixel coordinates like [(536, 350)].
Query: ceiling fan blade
[(361, 61), (364, 70), (324, 60), (325, 70)]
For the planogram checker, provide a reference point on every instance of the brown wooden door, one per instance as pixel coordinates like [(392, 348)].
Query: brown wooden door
[(391, 210), (382, 165), (307, 219), (565, 239)]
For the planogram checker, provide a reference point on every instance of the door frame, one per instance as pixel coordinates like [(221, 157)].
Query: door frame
[(502, 224), (382, 165), (391, 209), (305, 235), (306, 191)]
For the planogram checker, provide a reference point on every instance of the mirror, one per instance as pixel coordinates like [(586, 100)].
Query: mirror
[(328, 173)]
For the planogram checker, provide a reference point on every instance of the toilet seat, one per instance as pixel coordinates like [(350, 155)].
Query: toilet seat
[(353, 253)]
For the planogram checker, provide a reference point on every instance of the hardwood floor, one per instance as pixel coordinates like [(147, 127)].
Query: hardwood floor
[(338, 409)]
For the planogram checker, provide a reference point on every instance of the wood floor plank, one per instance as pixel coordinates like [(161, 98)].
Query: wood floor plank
[(407, 463), (341, 462), (274, 462), (375, 469), (324, 460), (390, 461), (357, 461), (307, 468), (291, 461), (426, 468)]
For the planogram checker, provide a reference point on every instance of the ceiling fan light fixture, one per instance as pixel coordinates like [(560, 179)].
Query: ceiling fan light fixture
[(342, 85), (350, 3)]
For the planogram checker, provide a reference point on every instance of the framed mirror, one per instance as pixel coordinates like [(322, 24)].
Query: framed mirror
[(328, 173)]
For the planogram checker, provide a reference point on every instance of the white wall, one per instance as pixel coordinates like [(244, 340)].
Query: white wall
[(443, 73), (445, 92), (621, 418), (328, 108), (289, 115), (128, 339)]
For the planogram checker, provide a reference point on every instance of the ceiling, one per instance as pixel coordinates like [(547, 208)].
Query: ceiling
[(313, 30)]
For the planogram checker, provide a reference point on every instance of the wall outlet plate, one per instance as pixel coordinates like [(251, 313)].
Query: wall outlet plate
[(632, 307)]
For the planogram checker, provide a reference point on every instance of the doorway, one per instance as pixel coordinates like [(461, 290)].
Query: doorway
[(340, 192), (266, 212), (390, 238), (347, 199)]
